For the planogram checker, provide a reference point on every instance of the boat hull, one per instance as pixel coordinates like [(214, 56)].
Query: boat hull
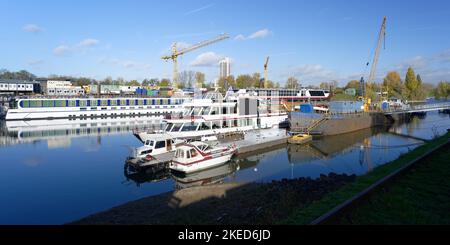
[(64, 113), (201, 165), (338, 124)]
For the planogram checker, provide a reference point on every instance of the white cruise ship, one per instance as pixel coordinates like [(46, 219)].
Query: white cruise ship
[(214, 114), (73, 108)]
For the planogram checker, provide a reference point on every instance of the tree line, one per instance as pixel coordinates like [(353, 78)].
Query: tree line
[(411, 88)]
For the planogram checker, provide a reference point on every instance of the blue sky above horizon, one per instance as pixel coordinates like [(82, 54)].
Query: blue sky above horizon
[(312, 40)]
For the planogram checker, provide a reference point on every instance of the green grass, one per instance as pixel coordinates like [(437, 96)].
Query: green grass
[(318, 208), (420, 197)]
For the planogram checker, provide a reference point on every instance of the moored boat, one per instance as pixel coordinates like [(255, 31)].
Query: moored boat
[(197, 156)]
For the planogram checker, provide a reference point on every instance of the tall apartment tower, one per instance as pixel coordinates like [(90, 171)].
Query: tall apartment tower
[(224, 68)]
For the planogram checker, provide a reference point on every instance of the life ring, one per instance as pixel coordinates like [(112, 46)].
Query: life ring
[(148, 157)]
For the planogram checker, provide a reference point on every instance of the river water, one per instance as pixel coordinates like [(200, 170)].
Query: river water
[(50, 176)]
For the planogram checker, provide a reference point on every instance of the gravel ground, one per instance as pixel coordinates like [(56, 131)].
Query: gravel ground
[(231, 203)]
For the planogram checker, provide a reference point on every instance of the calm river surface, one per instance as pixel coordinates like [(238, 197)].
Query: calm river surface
[(57, 176)]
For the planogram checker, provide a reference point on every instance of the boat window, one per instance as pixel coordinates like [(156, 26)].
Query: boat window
[(193, 153), (176, 127), (188, 154), (316, 93), (169, 127), (204, 127), (188, 111), (179, 153), (206, 111), (189, 127), (197, 111), (35, 103), (60, 103), (146, 152), (160, 144), (48, 103)]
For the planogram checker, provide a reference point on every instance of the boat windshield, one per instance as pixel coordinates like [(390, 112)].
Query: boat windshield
[(204, 147), (176, 127), (169, 127), (197, 111), (206, 110), (149, 142), (189, 127), (179, 153)]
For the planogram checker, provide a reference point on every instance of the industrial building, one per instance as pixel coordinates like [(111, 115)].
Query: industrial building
[(13, 86)]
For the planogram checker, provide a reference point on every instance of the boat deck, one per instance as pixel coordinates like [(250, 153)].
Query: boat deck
[(260, 139)]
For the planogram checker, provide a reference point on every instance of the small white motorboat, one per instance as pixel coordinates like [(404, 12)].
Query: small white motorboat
[(154, 152), (197, 156)]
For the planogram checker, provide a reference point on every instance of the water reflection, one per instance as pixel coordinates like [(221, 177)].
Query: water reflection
[(85, 159), (210, 176), (59, 132)]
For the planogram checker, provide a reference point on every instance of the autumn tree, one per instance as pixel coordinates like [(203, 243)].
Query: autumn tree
[(353, 84), (292, 83), (393, 84), (244, 81), (133, 83), (413, 86), (165, 82), (226, 82), (442, 90), (200, 79)]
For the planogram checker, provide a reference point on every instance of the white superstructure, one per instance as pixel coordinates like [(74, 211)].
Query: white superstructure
[(72, 108), (213, 115)]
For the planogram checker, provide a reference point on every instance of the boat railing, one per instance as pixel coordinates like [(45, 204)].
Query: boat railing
[(181, 116)]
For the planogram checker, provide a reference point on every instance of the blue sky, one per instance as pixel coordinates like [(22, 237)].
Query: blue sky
[(312, 40)]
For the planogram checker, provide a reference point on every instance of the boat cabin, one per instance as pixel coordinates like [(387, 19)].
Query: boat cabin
[(159, 145)]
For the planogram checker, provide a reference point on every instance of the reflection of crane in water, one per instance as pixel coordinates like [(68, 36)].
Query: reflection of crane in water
[(364, 154)]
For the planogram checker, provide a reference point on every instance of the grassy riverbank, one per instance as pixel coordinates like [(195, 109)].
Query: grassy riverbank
[(421, 197)]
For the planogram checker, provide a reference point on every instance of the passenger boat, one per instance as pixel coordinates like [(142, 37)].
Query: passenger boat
[(214, 115), (73, 108), (197, 156)]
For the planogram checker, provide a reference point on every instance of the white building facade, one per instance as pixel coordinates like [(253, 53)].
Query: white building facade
[(224, 68)]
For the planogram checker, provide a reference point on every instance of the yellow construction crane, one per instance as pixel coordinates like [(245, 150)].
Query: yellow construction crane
[(176, 53), (371, 78), (266, 82)]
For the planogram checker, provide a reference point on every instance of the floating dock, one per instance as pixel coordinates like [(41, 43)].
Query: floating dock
[(261, 139)]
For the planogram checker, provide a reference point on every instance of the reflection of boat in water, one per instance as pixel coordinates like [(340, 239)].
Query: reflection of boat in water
[(16, 132), (331, 145), (328, 146), (146, 177), (210, 176)]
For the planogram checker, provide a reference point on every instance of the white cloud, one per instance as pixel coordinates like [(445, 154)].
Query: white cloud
[(240, 37), (311, 74), (61, 50), (443, 56), (206, 59), (88, 42), (258, 34), (32, 28), (417, 62)]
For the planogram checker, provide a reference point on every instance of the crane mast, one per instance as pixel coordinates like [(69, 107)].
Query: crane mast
[(176, 53), (381, 37), (266, 84)]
